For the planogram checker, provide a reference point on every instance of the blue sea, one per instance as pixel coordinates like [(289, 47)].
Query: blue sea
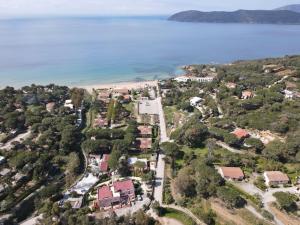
[(92, 50)]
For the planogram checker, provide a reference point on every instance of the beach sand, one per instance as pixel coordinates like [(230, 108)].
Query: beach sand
[(120, 85)]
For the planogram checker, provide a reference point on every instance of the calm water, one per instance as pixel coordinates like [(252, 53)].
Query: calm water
[(99, 50)]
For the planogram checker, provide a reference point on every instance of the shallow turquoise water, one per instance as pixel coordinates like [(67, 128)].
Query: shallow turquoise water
[(80, 51)]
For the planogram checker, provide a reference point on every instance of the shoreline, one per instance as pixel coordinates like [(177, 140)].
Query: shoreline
[(118, 85)]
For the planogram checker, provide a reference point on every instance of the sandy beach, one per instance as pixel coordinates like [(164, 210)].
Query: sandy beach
[(120, 85)]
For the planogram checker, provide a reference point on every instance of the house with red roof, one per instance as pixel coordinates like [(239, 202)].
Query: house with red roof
[(241, 133), (121, 193), (247, 94), (144, 144), (231, 173), (276, 178), (145, 131)]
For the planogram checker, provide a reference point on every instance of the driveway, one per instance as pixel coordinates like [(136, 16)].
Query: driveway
[(19, 138)]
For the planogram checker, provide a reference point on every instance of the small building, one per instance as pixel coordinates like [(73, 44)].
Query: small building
[(231, 173), (203, 79), (144, 144), (241, 133), (76, 203), (2, 159), (133, 160), (247, 94), (100, 122), (153, 163), (121, 91), (182, 79), (69, 104), (104, 95), (288, 94), (50, 106), (145, 131), (4, 172), (195, 101), (231, 85), (275, 178)]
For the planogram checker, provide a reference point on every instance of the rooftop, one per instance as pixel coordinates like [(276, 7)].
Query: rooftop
[(232, 172), (240, 133), (145, 130), (149, 107), (104, 192), (276, 176), (123, 185), (145, 143)]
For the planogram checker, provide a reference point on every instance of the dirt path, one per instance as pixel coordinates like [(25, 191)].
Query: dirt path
[(226, 214), (284, 218), (169, 221)]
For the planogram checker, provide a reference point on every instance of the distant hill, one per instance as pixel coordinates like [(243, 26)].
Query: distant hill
[(240, 16), (294, 8)]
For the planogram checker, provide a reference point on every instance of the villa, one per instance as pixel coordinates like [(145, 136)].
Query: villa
[(195, 101), (117, 195), (231, 173), (241, 133), (145, 131), (275, 178), (144, 144), (247, 94)]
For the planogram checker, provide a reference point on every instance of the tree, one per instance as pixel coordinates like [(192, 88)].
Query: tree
[(172, 151), (286, 201), (157, 208), (184, 184), (68, 138), (195, 135), (114, 157), (77, 95), (274, 150), (231, 197), (255, 143)]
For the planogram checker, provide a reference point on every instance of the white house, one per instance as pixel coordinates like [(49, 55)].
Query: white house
[(2, 159), (182, 79), (195, 101), (69, 104), (203, 79), (288, 94)]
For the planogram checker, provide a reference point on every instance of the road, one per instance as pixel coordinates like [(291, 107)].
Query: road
[(8, 145), (160, 167)]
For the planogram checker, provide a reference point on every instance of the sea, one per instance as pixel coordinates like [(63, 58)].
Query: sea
[(97, 50)]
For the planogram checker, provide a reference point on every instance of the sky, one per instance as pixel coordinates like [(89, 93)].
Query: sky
[(128, 7)]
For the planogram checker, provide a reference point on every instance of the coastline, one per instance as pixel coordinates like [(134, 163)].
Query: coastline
[(119, 85)]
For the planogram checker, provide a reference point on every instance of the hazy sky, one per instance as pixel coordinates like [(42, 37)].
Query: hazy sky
[(128, 7)]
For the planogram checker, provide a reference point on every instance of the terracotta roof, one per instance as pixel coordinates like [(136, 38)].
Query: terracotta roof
[(50, 106), (104, 192), (247, 94), (240, 133), (146, 130), (231, 85), (232, 172), (105, 157), (145, 143), (123, 185), (103, 166), (123, 91), (276, 176)]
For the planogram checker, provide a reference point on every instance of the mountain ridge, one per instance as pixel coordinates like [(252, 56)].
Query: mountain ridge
[(239, 16), (293, 7)]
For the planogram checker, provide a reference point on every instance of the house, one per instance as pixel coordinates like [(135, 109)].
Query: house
[(231, 173), (247, 94), (5, 172), (133, 160), (145, 131), (104, 95), (117, 195), (288, 94), (275, 178), (76, 203), (269, 68), (68, 104), (121, 91), (241, 133), (50, 106), (144, 144), (2, 159), (231, 85), (100, 122), (99, 164), (18, 178), (182, 79), (195, 101), (203, 79), (153, 162), (103, 165)]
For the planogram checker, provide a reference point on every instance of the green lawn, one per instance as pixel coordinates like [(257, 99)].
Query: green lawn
[(177, 215)]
